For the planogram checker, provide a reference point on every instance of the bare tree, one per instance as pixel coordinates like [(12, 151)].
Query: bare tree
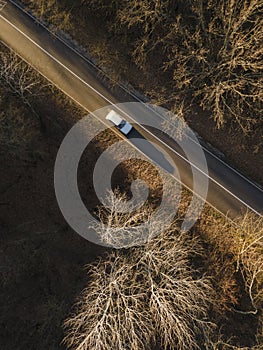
[(111, 312), (17, 128), (218, 59), (20, 78), (123, 224), (142, 294), (211, 49)]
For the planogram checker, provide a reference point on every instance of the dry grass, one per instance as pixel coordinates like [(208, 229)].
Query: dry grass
[(237, 248), (249, 256), (241, 249)]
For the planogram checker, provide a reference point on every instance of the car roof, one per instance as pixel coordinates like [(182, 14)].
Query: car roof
[(114, 117)]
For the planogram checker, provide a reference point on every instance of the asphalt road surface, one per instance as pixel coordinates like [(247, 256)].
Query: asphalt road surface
[(228, 191)]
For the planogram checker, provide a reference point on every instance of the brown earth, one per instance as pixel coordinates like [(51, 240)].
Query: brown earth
[(42, 259)]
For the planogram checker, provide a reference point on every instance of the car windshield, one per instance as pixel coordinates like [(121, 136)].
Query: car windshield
[(122, 124)]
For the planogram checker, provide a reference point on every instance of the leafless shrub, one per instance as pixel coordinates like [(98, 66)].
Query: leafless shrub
[(235, 255), (142, 20), (138, 295)]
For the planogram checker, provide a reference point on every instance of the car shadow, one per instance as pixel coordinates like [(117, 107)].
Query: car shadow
[(151, 151)]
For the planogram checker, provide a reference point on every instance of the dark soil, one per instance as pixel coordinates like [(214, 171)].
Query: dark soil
[(41, 259)]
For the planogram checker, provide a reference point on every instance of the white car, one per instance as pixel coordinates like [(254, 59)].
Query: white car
[(124, 126)]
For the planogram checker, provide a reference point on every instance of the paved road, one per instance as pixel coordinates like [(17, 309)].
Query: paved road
[(229, 191)]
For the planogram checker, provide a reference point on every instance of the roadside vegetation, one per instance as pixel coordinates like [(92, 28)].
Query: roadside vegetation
[(200, 59), (37, 257), (179, 290), (19, 122), (143, 296), (203, 288), (210, 50)]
